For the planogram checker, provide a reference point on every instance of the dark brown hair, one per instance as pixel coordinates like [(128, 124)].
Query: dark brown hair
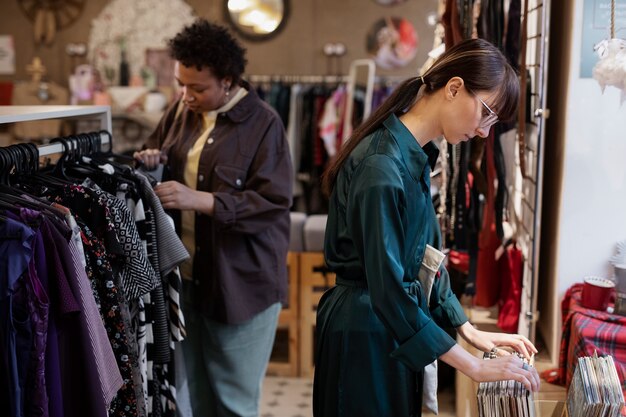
[(481, 66)]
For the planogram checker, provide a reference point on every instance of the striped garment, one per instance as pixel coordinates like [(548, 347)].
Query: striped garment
[(155, 335), (110, 380)]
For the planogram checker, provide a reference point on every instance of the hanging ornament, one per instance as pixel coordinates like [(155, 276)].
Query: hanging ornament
[(611, 68), (51, 16)]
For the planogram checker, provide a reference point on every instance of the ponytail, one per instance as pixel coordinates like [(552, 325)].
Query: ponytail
[(401, 100), (479, 63)]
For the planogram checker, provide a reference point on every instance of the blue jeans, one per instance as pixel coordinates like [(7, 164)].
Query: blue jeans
[(226, 363)]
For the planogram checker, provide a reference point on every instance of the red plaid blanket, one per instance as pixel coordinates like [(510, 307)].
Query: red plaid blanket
[(586, 331)]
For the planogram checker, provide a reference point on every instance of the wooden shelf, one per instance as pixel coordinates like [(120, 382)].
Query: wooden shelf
[(13, 114)]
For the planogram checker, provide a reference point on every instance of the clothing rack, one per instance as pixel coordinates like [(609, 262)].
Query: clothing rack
[(317, 79), (25, 158), (81, 250), (297, 79), (57, 147)]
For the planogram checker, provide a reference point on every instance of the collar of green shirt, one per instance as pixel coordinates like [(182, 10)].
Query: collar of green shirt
[(417, 157)]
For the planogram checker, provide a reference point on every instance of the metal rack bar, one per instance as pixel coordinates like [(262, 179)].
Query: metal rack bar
[(317, 79), (52, 148)]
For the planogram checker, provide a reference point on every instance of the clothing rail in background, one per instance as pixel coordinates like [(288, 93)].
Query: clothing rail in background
[(294, 79), (317, 79)]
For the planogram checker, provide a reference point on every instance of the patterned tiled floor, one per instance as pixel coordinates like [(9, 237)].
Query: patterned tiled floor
[(287, 397), (291, 397)]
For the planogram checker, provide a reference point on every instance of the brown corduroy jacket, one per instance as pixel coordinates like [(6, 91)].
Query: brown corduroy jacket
[(240, 260)]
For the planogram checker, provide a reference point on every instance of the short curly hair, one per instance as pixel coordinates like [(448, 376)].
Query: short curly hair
[(205, 44)]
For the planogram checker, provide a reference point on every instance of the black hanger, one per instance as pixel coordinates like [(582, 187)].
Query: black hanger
[(4, 167), (109, 152), (54, 176), (122, 170), (26, 165), (59, 169), (15, 161)]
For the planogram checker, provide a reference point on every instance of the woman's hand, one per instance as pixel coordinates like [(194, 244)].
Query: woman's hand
[(499, 369), (486, 341), (506, 368), (174, 195), (150, 158)]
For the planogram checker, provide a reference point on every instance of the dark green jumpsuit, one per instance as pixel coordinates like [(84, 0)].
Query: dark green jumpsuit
[(375, 332)]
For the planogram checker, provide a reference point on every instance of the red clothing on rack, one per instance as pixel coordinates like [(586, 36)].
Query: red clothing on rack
[(586, 331), (510, 268), (488, 280)]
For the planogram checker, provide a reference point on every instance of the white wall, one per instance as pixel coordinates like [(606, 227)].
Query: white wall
[(593, 203)]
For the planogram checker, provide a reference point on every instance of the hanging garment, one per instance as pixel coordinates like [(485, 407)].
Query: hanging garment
[(452, 24), (491, 22), (513, 33), (15, 244), (487, 279), (510, 269)]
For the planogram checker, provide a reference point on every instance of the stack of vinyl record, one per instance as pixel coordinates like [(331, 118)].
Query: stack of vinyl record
[(595, 390), (504, 398)]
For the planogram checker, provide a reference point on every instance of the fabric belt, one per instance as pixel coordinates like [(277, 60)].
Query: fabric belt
[(360, 283)]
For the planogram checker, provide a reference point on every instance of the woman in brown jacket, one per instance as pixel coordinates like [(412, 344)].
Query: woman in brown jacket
[(229, 189)]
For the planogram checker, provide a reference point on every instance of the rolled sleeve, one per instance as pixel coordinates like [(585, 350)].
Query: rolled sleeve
[(424, 346), (449, 313), (225, 209), (445, 308)]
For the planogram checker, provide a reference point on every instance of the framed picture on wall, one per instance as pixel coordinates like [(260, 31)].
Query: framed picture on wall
[(392, 42), (162, 64), (7, 55)]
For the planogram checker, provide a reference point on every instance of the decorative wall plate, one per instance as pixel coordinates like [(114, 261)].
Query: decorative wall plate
[(392, 42), (65, 12)]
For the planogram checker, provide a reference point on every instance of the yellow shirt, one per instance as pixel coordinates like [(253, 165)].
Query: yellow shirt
[(191, 178)]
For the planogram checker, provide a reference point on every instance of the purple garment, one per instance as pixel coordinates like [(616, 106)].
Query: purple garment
[(15, 255), (36, 393), (52, 370), (23, 332), (62, 312), (38, 304), (71, 361), (108, 378), (80, 388)]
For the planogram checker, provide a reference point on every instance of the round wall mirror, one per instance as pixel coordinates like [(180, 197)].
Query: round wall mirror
[(389, 2), (257, 20)]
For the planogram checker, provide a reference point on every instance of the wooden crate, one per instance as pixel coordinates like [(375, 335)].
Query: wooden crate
[(288, 321), (314, 280)]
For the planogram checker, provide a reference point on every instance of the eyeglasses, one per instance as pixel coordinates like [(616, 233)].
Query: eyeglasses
[(489, 117)]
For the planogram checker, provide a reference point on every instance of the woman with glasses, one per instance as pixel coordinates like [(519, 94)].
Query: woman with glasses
[(381, 325)]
